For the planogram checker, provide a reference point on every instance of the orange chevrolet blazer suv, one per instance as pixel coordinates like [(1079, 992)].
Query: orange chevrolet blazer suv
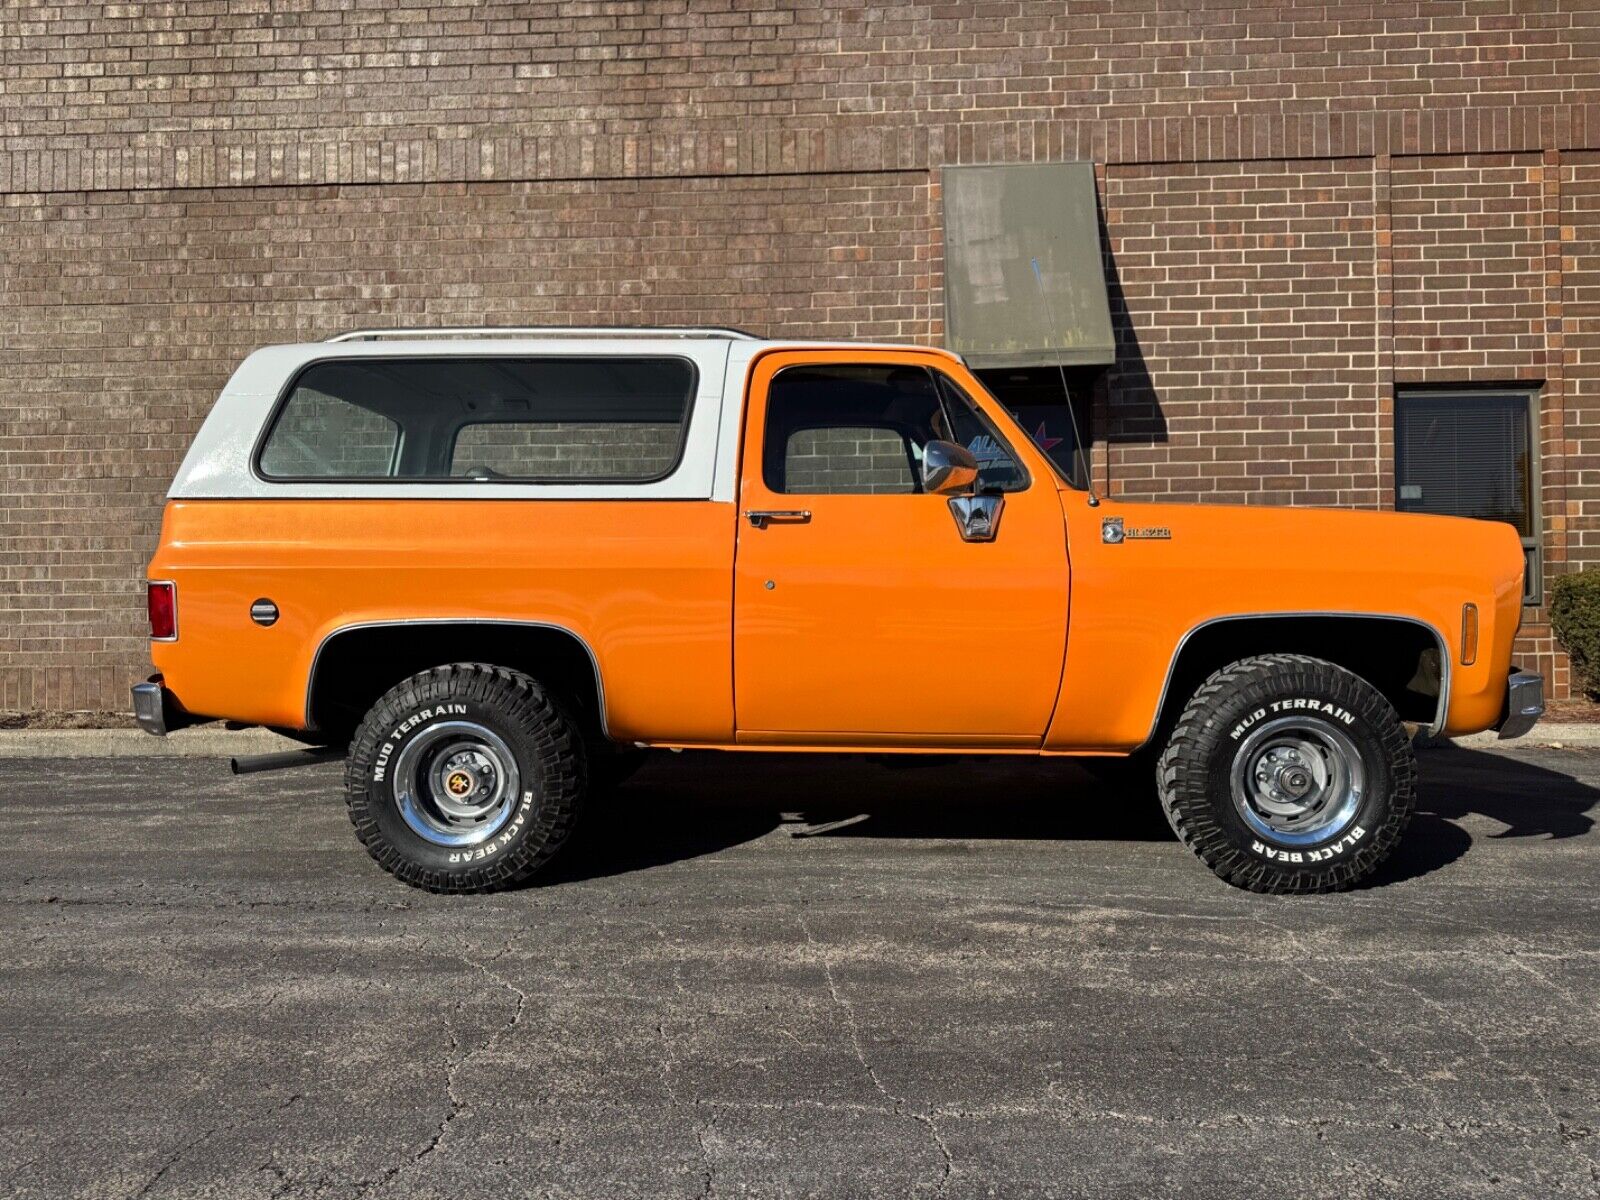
[(494, 566)]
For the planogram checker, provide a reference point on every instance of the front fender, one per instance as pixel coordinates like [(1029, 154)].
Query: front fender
[(1177, 569)]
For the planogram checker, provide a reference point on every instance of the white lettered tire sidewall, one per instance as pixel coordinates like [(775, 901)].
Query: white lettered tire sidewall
[(1196, 773), (549, 762)]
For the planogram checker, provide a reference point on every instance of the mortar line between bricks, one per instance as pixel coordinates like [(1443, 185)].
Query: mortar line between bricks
[(928, 168), (466, 181)]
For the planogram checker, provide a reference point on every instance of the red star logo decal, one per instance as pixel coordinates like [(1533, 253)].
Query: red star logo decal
[(1043, 440)]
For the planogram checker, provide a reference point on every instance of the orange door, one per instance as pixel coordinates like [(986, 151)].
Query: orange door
[(861, 612)]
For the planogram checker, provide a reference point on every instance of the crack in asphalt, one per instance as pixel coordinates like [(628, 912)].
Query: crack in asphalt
[(205, 1135), (700, 1134), (458, 1105), (898, 1104), (668, 1059)]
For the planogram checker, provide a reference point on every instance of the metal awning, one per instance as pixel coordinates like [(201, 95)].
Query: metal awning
[(997, 221)]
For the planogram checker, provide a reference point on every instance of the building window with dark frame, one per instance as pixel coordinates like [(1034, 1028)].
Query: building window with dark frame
[(1472, 454)]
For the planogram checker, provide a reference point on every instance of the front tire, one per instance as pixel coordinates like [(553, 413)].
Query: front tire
[(465, 778), (1288, 774)]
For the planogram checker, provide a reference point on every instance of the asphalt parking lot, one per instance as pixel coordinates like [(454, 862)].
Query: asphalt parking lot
[(982, 979)]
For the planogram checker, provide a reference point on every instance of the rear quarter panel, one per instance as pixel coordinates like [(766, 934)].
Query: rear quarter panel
[(644, 583)]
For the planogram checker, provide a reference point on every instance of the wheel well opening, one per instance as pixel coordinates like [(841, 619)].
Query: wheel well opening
[(354, 667), (1397, 656)]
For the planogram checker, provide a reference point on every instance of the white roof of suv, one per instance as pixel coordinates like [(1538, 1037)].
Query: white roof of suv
[(220, 462)]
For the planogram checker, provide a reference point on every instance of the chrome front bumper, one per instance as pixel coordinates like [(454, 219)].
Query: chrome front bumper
[(1524, 704)]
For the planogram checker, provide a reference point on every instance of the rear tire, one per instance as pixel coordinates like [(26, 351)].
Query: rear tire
[(465, 778), (1288, 774)]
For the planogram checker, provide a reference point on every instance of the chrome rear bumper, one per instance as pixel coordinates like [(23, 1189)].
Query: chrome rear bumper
[(156, 709), (1524, 704)]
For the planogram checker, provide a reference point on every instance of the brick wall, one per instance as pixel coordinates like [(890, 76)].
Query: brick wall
[(1572, 503), (1304, 204), (325, 90), (1468, 268), (1580, 346), (1246, 314)]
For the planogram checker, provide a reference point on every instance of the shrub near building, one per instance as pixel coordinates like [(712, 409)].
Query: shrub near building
[(1575, 616)]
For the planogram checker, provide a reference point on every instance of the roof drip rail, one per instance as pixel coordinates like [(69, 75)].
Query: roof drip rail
[(547, 331)]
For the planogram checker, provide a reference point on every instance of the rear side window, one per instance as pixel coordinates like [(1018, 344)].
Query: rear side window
[(544, 420)]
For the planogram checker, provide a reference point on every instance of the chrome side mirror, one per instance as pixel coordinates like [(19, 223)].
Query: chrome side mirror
[(948, 469)]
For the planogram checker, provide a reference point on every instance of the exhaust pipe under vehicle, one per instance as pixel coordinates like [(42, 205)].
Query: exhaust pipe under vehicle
[(251, 764)]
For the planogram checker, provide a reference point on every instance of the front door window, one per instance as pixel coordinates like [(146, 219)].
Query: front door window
[(852, 429)]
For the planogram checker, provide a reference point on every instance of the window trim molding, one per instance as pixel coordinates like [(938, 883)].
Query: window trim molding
[(275, 414), (935, 374)]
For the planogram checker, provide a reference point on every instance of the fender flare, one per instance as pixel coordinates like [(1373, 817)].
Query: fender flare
[(1440, 713), (355, 626)]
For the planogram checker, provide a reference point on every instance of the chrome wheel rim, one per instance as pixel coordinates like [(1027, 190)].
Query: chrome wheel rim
[(456, 783), (1297, 781)]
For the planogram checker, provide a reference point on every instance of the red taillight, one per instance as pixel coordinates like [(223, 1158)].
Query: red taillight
[(163, 602)]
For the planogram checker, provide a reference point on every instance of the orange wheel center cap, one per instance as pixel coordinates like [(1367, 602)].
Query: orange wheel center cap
[(459, 783)]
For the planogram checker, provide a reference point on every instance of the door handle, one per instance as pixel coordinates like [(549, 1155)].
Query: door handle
[(758, 517)]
